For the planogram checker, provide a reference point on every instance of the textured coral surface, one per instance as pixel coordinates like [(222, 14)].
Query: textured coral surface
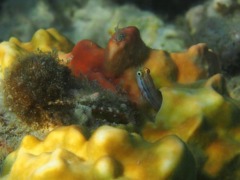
[(108, 154)]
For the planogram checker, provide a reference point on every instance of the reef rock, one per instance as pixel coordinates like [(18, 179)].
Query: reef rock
[(216, 23)]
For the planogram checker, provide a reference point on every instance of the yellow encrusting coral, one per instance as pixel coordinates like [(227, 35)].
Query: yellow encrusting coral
[(168, 69), (204, 117), (198, 62), (109, 153), (8, 54), (43, 40), (183, 104)]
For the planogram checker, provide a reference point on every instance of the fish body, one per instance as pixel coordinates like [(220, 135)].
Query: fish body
[(148, 89)]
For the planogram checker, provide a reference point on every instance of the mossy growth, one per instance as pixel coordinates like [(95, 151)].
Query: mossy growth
[(96, 106), (37, 89)]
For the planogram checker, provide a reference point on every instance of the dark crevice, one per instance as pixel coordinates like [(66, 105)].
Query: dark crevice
[(170, 8)]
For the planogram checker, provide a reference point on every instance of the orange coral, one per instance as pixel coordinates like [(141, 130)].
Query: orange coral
[(125, 49), (126, 52), (168, 69), (197, 62), (88, 59)]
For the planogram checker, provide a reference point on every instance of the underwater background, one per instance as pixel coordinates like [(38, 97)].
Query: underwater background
[(124, 89)]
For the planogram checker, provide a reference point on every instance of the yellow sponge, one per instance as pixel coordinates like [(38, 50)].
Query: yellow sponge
[(109, 153), (44, 40)]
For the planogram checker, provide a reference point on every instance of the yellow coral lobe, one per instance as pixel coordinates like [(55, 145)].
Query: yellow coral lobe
[(110, 153), (107, 168), (162, 67), (64, 137), (44, 40), (50, 39), (187, 109), (29, 143), (57, 164), (198, 62), (108, 140), (8, 54)]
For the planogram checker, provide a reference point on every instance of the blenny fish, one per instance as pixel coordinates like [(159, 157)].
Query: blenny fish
[(148, 89)]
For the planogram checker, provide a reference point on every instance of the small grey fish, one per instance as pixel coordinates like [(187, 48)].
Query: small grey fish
[(148, 89), (119, 34)]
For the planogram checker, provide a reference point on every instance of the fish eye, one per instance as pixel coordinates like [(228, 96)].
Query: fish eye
[(147, 70), (120, 36), (139, 73)]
